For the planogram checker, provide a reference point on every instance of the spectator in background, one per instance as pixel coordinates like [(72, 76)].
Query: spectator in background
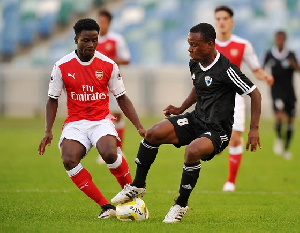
[(114, 46), (236, 50), (283, 63)]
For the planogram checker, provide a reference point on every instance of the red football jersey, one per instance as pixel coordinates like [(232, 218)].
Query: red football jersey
[(114, 46), (238, 50), (86, 85)]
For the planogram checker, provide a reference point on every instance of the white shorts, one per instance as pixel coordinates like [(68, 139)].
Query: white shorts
[(88, 132), (239, 114), (113, 104)]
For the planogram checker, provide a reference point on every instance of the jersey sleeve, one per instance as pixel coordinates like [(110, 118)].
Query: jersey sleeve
[(238, 81), (250, 57), (122, 49), (56, 83), (116, 85)]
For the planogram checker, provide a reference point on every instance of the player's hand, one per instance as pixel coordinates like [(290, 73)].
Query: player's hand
[(269, 79), (46, 140), (142, 132), (253, 140), (168, 111)]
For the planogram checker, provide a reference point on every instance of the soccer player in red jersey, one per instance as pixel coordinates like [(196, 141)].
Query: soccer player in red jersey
[(236, 50), (86, 76), (114, 46)]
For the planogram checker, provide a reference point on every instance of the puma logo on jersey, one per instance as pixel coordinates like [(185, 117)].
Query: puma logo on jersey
[(208, 133), (70, 75)]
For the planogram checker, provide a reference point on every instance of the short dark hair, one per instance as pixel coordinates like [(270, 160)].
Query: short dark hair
[(85, 24), (224, 8), (106, 13), (206, 30), (281, 32)]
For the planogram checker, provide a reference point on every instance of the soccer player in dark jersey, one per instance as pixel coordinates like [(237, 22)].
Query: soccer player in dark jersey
[(283, 63), (86, 76), (205, 131)]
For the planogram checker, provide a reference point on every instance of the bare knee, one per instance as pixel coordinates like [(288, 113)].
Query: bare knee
[(69, 161), (192, 155), (235, 139), (201, 148), (109, 156)]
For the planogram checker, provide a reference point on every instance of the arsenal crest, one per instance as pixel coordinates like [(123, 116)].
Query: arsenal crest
[(99, 74), (234, 52)]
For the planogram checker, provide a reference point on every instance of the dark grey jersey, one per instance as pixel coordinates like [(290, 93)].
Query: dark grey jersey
[(282, 71), (216, 87)]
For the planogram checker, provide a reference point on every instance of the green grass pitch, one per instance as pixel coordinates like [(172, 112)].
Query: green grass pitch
[(36, 195)]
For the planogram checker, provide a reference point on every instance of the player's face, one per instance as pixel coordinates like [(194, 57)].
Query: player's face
[(104, 23), (200, 51), (223, 22), (87, 42), (279, 40)]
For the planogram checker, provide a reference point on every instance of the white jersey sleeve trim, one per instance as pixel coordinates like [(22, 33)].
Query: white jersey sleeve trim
[(116, 85), (236, 79), (56, 83), (249, 91)]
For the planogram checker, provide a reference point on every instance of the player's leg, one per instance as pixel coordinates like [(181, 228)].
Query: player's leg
[(119, 122), (290, 112), (161, 133), (200, 148), (278, 143), (278, 107), (236, 143), (112, 155), (72, 152), (74, 145), (104, 138), (234, 160)]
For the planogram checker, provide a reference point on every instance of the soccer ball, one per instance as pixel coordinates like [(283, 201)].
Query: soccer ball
[(132, 210)]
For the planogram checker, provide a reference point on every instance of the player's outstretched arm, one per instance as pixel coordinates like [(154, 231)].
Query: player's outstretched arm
[(261, 74), (253, 136), (190, 100), (129, 111), (51, 109)]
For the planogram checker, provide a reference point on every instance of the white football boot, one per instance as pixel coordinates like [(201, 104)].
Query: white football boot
[(229, 187), (128, 193), (175, 214), (278, 147)]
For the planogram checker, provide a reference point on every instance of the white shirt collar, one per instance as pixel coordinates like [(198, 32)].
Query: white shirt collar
[(211, 65), (279, 55)]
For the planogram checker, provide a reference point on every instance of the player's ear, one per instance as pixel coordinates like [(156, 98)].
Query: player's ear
[(76, 39)]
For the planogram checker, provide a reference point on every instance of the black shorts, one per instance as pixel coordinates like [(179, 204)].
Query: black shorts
[(288, 106), (188, 130)]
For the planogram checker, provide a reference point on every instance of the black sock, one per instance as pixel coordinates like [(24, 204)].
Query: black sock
[(289, 134), (108, 206), (145, 157), (189, 179), (278, 129)]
